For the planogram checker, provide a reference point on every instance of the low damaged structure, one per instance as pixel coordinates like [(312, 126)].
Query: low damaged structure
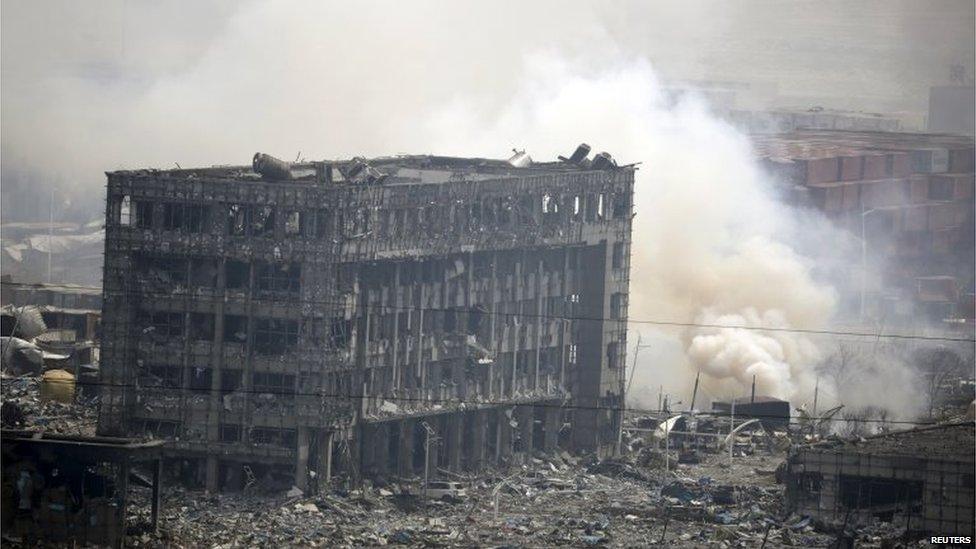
[(74, 489), (921, 479), (384, 317)]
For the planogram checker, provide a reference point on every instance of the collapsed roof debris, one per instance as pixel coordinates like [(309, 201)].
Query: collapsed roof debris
[(270, 167)]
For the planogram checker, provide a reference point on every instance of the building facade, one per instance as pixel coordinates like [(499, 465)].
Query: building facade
[(909, 197), (366, 318)]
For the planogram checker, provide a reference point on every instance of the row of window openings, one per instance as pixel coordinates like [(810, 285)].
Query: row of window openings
[(240, 219), (165, 376), (275, 277), (285, 438), (474, 320), (498, 211), (272, 336), (484, 267), (202, 272), (260, 220), (200, 379), (276, 336), (477, 319)]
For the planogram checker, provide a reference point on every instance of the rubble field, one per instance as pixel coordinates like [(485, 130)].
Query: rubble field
[(555, 501), (560, 500)]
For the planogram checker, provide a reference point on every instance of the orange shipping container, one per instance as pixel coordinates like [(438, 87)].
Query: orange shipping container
[(941, 216), (901, 165), (961, 160), (851, 168), (821, 170), (915, 218), (835, 199), (852, 196), (964, 187), (920, 188), (875, 166)]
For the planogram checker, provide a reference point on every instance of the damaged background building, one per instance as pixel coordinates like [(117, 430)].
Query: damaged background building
[(380, 318), (919, 479)]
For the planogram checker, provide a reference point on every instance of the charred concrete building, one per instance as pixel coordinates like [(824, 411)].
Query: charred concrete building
[(366, 317), (920, 479)]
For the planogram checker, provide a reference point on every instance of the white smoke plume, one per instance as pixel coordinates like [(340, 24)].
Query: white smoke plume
[(712, 245)]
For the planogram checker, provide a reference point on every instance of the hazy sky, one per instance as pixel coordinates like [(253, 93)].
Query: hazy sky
[(95, 86)]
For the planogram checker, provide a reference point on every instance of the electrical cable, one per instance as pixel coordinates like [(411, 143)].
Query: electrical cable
[(458, 401)]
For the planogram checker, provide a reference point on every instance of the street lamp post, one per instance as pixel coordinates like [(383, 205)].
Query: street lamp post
[(429, 434), (864, 260)]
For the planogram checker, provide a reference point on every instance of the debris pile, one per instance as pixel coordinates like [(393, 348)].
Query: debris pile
[(25, 408), (550, 501)]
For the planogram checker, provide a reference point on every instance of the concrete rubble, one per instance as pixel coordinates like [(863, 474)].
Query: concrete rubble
[(552, 502)]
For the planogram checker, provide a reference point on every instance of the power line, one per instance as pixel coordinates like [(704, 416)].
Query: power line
[(460, 401), (669, 323)]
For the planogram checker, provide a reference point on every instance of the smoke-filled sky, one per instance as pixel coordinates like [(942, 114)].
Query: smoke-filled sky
[(90, 87)]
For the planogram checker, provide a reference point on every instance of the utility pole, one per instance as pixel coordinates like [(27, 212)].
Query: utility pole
[(752, 399), (428, 431), (626, 390), (694, 393), (667, 447), (864, 260), (816, 390), (732, 430), (50, 235)]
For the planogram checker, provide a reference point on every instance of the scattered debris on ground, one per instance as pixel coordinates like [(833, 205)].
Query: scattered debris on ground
[(24, 407), (647, 497)]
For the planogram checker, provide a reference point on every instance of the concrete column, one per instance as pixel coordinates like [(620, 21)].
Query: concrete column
[(395, 382), (526, 422), (593, 376), (301, 459), (431, 448), (477, 419), (405, 452), (324, 471), (367, 448), (453, 440), (503, 446), (157, 493), (216, 408), (553, 422), (381, 447), (212, 479)]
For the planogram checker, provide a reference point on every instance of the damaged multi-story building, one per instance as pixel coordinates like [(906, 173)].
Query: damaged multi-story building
[(379, 318)]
